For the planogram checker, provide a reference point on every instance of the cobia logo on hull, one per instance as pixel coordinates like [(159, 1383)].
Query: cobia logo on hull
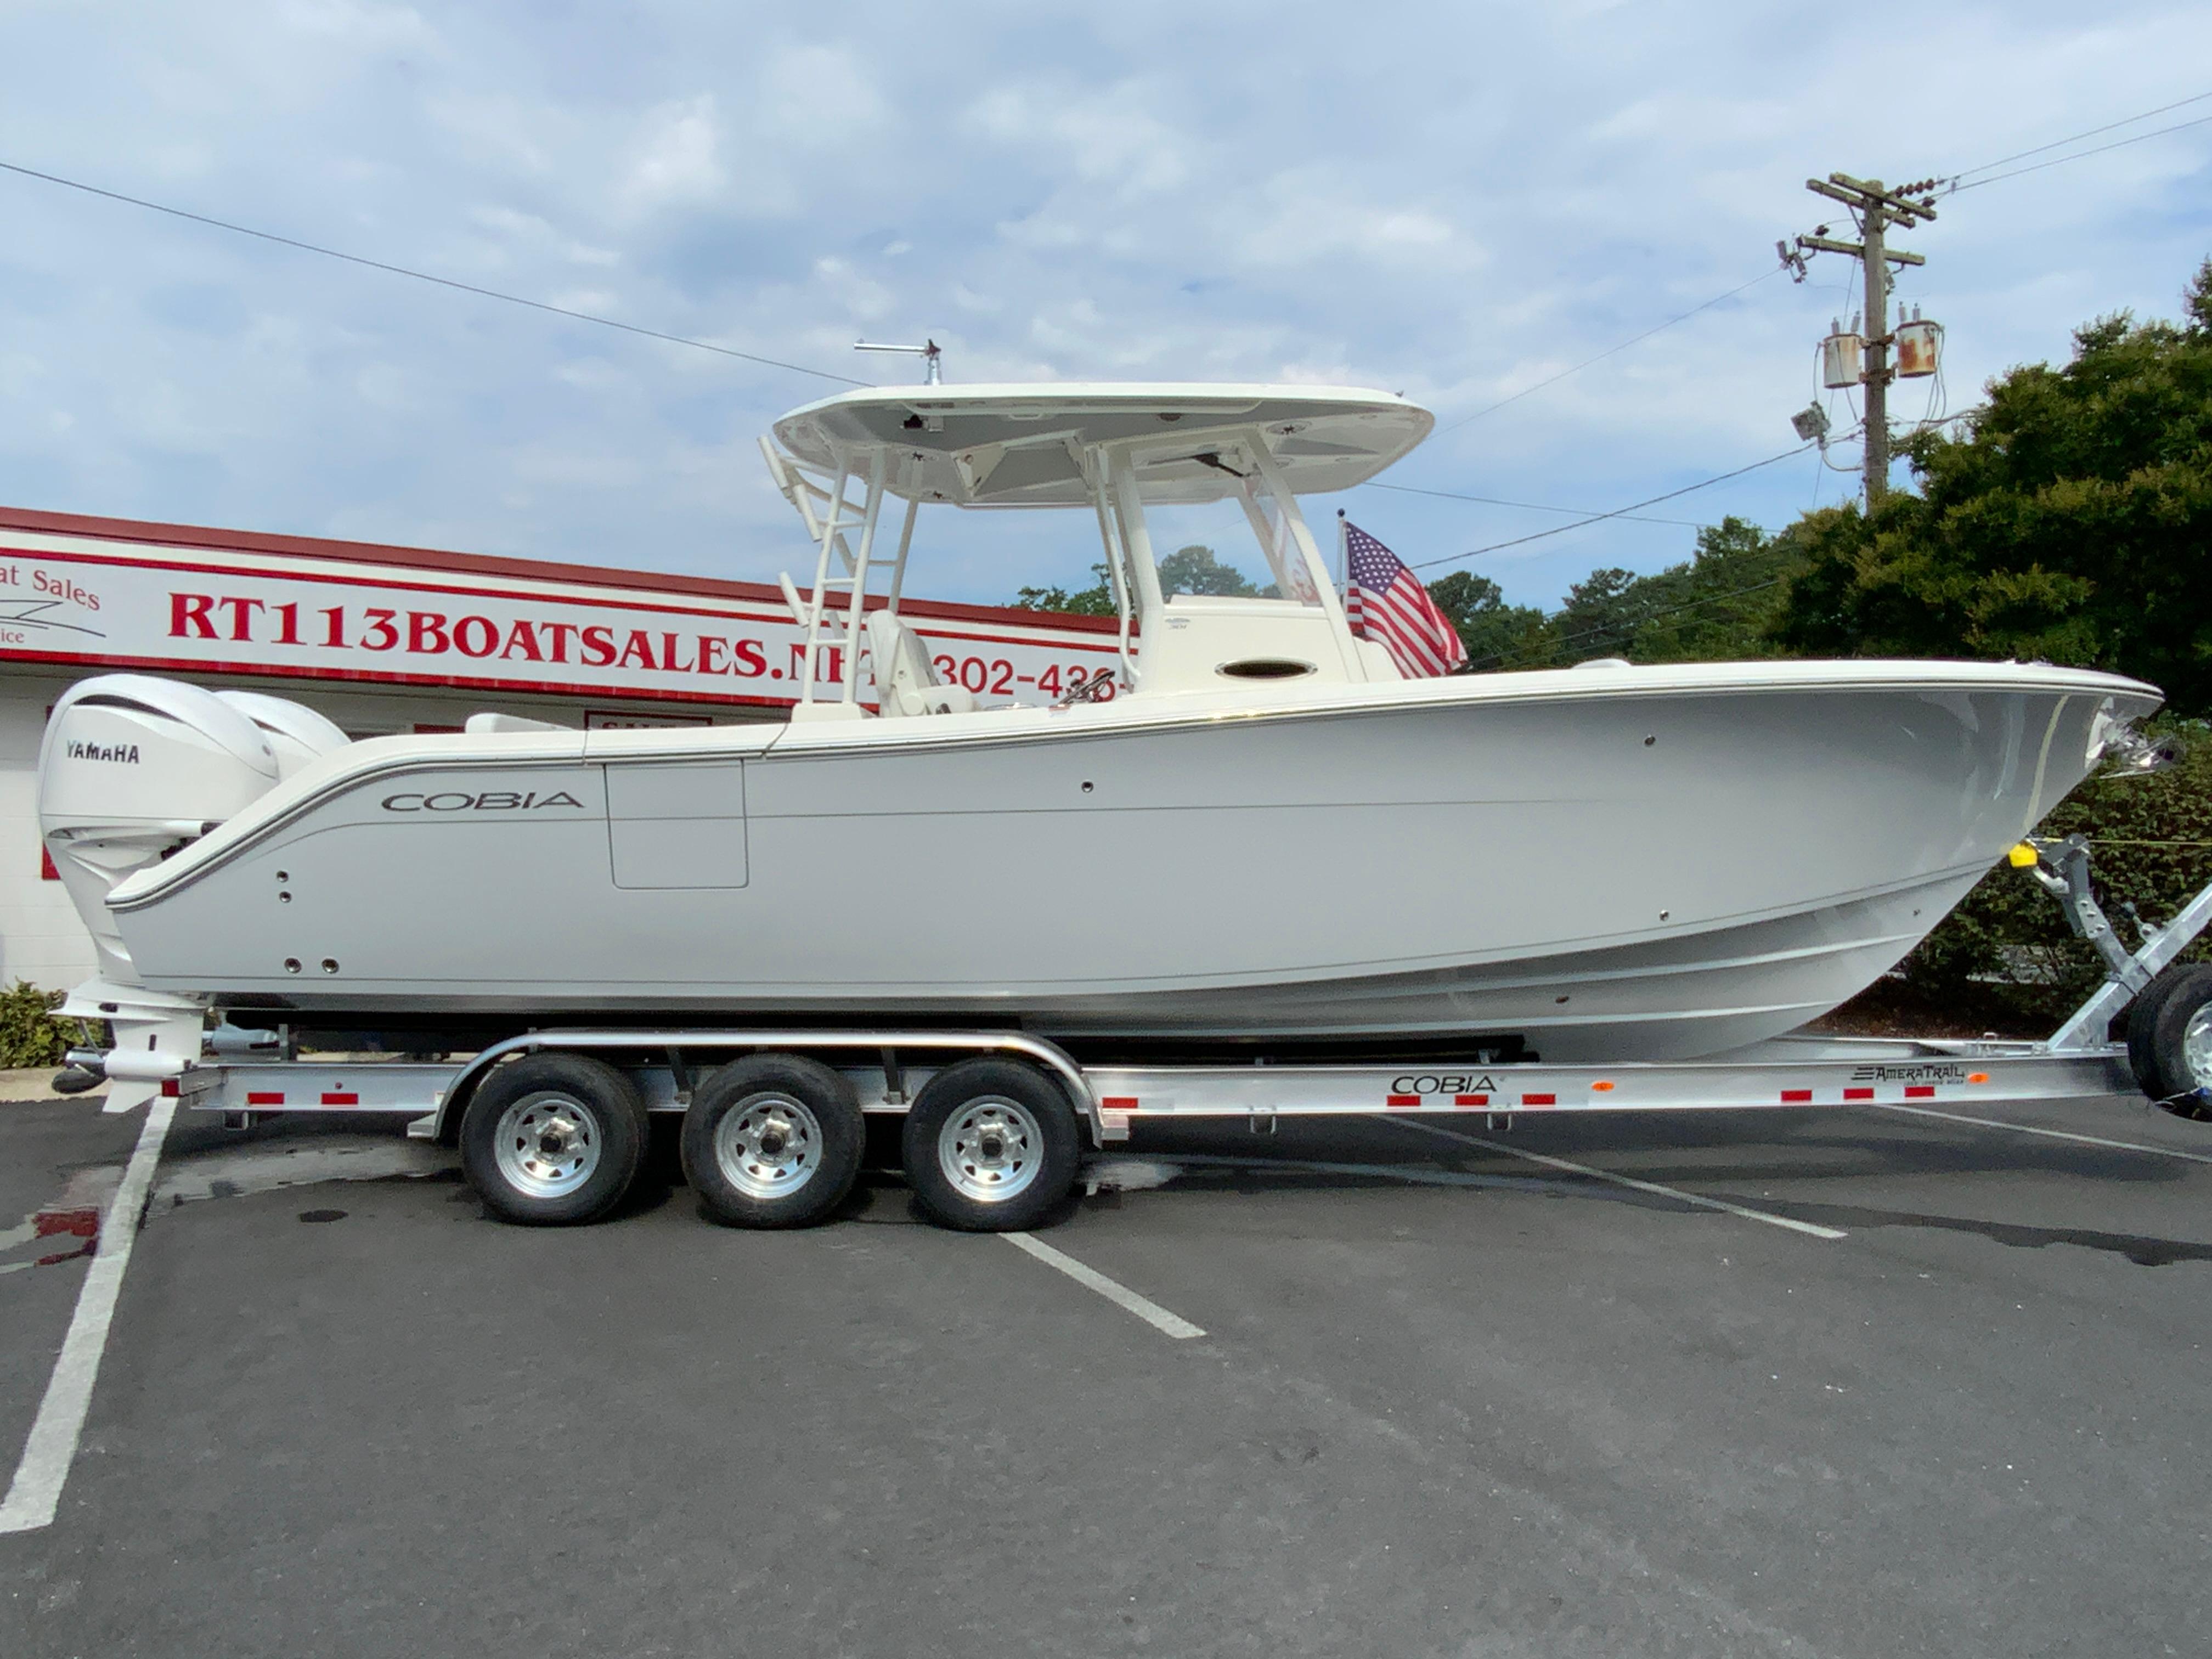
[(494, 801)]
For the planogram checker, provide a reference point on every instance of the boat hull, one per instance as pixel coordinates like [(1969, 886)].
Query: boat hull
[(1606, 864)]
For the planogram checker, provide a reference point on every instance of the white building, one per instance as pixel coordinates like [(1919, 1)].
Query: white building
[(394, 639)]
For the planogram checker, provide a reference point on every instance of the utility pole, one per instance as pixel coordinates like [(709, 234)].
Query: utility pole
[(1874, 208)]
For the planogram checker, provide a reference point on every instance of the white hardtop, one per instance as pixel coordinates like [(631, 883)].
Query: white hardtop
[(1024, 445)]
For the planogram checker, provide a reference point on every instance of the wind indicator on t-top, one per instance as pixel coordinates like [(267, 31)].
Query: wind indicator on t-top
[(931, 356)]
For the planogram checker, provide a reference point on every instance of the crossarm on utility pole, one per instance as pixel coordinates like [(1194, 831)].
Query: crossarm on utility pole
[(1897, 255)]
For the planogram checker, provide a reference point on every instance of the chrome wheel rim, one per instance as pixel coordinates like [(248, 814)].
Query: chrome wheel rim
[(767, 1145), (990, 1149), (2196, 1046), (548, 1144)]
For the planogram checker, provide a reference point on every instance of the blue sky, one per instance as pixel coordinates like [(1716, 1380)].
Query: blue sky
[(1452, 201)]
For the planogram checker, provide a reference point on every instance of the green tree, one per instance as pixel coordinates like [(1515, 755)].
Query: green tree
[(2072, 521), (2005, 956), (1491, 630), (1193, 569), (1094, 601), (1602, 613), (1720, 604), (1723, 604)]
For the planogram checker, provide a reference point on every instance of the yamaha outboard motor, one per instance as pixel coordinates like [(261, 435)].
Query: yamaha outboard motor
[(132, 768), (298, 735)]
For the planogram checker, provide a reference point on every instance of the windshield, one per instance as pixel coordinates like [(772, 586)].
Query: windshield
[(1244, 546)]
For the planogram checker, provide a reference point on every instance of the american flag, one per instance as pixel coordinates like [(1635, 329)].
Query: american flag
[(1385, 602)]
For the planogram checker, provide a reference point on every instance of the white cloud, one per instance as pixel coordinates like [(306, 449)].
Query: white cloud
[(816, 97), (676, 160), (1109, 134), (359, 27)]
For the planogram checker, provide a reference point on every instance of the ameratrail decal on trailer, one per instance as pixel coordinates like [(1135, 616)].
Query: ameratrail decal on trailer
[(83, 600)]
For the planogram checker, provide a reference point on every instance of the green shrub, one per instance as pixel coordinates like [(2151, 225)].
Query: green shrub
[(31, 1033), (2151, 838)]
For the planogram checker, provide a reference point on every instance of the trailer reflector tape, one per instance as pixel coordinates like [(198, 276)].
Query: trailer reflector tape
[(170, 1088), (1796, 1097), (338, 1098), (1117, 1102), (1402, 1100), (1470, 1100), (1920, 1091), (1539, 1100), (1858, 1094), (264, 1097)]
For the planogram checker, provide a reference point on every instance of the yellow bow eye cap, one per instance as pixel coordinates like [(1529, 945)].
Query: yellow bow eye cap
[(2023, 857)]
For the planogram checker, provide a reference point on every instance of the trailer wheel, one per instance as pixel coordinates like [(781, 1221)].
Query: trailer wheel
[(2170, 1041), (991, 1145), (773, 1141), (553, 1140)]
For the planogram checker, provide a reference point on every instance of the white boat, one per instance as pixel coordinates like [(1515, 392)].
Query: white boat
[(1254, 832)]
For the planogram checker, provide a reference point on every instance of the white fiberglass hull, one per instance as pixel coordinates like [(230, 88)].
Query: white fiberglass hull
[(1634, 862)]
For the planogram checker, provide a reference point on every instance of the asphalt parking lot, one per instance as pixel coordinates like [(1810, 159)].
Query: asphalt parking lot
[(1931, 1387)]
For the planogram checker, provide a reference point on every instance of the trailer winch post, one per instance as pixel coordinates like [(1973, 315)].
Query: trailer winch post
[(2127, 975)]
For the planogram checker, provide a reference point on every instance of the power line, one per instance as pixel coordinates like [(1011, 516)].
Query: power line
[(1506, 660), (1618, 513), (1496, 501), (1955, 187), (1630, 625), (423, 276), (2059, 143), (1491, 409), (2082, 155)]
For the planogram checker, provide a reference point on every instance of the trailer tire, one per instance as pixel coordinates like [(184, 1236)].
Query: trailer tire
[(553, 1140), (773, 1141), (991, 1145), (2170, 1041)]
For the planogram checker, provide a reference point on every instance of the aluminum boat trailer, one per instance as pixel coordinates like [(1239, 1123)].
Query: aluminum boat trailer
[(552, 1124)]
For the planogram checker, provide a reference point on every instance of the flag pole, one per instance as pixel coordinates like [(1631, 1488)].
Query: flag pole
[(1343, 554)]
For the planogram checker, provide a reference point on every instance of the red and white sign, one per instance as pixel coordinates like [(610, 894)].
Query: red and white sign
[(109, 594)]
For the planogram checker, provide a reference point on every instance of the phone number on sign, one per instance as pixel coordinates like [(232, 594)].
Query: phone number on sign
[(995, 676)]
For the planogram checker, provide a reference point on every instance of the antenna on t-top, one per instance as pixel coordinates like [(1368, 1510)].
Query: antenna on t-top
[(929, 352)]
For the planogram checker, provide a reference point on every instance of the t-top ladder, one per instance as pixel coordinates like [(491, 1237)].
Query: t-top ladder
[(827, 528)]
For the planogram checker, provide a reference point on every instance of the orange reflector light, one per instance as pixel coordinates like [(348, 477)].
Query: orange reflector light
[(1601, 1086), (1978, 1077)]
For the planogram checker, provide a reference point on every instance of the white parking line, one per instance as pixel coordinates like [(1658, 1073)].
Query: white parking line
[(1120, 1295), (36, 1491), (2049, 1134), (1809, 1229)]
